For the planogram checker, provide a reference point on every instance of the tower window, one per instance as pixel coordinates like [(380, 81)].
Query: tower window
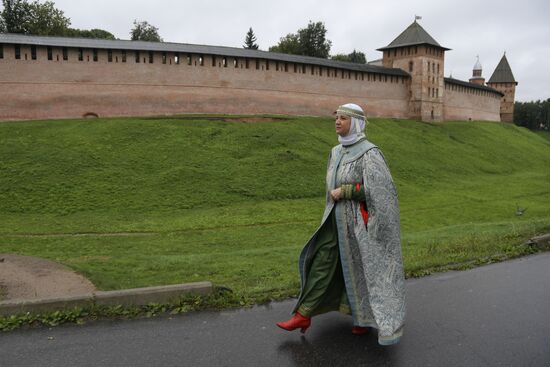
[(109, 55), (257, 64), (33, 52), (1, 51), (303, 69), (137, 57), (213, 60), (411, 65), (177, 58), (80, 54), (266, 64), (95, 54), (276, 65), (17, 49), (50, 53), (164, 57), (123, 55), (224, 62), (151, 57), (65, 53)]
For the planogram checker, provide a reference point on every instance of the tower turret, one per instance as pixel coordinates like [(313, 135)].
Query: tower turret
[(416, 52), (476, 74), (503, 80)]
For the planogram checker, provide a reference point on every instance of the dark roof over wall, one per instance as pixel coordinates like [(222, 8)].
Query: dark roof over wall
[(89, 43), (472, 85), (503, 73), (413, 35)]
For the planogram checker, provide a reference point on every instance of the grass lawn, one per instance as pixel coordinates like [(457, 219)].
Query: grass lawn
[(132, 202)]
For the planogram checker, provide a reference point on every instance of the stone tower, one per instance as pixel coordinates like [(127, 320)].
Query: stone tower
[(416, 52), (503, 81), (476, 74)]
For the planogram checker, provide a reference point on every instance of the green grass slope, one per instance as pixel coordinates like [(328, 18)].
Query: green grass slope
[(145, 201)]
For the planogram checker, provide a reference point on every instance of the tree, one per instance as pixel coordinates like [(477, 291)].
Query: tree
[(45, 19), (313, 40), (2, 24), (532, 115), (92, 33), (356, 57), (250, 40), (15, 15), (290, 44), (143, 31), (309, 41)]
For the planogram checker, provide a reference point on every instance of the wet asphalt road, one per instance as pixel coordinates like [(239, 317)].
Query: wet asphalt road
[(496, 315)]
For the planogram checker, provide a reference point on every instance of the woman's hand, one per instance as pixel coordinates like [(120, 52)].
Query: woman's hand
[(336, 194)]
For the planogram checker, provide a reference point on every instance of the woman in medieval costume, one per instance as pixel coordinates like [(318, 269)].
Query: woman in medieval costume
[(353, 263)]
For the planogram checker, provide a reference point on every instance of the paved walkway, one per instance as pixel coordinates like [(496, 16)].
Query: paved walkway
[(496, 315)]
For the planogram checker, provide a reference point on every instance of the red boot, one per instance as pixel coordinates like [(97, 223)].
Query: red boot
[(359, 330), (297, 321)]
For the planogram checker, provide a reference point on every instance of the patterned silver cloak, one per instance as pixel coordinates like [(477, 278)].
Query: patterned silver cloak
[(370, 255)]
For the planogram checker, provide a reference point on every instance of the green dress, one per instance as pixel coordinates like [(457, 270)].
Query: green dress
[(325, 288)]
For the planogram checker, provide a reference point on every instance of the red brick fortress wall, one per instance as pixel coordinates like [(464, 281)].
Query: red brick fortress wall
[(57, 88), (463, 103)]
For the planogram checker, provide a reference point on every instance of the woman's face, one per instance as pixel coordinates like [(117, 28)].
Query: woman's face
[(342, 124)]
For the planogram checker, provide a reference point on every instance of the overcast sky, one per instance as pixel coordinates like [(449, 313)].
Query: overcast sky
[(469, 27)]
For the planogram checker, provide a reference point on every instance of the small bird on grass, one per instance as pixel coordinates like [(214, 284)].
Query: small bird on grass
[(519, 210)]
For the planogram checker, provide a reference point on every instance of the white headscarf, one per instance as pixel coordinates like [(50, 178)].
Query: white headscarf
[(358, 122)]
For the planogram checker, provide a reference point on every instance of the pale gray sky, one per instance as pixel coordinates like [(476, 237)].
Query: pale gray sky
[(469, 27)]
